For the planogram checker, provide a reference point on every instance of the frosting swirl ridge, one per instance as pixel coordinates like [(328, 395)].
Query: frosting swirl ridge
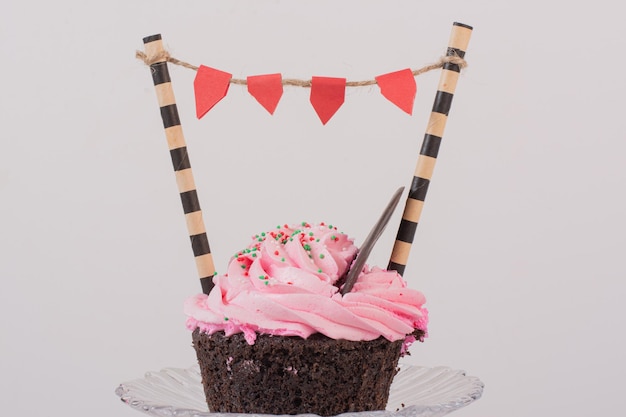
[(287, 282)]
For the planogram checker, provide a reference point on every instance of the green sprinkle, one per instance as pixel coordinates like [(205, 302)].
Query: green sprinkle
[(330, 226), (254, 255), (214, 273), (303, 224), (263, 234), (319, 270), (278, 227), (243, 266), (307, 247), (254, 249), (282, 259), (317, 240), (321, 256), (310, 233), (266, 282), (225, 318), (333, 237), (261, 276)]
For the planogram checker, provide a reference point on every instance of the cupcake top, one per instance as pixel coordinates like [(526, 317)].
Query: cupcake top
[(286, 282)]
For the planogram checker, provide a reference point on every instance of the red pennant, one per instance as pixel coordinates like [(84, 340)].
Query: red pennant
[(399, 87), (327, 95), (266, 89), (210, 86)]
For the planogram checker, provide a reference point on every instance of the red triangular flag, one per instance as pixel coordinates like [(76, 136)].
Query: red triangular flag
[(399, 87), (210, 86), (266, 89), (327, 95)]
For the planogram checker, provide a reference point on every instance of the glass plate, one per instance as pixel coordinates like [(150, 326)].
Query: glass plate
[(416, 392)]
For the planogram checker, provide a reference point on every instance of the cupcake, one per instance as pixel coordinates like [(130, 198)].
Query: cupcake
[(276, 336)]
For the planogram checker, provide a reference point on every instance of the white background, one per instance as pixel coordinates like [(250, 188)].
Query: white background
[(520, 248)]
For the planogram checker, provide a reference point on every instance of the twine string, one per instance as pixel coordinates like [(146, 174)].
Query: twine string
[(165, 56)]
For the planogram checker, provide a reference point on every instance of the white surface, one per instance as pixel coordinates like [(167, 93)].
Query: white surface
[(520, 245)]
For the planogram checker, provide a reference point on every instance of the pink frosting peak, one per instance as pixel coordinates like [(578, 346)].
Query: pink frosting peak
[(284, 283)]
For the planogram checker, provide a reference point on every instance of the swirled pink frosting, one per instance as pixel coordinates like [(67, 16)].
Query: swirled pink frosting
[(283, 284)]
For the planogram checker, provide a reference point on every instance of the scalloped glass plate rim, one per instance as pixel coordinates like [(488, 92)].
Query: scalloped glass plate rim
[(469, 389)]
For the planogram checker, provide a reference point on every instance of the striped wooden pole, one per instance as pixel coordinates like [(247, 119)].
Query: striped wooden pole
[(459, 39), (178, 151)]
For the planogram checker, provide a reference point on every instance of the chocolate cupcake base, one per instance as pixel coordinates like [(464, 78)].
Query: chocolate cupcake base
[(291, 375)]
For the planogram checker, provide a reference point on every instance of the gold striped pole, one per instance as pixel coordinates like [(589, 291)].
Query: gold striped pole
[(180, 159), (459, 39)]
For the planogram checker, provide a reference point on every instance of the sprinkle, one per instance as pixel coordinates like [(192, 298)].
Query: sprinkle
[(333, 237), (278, 227), (282, 259), (307, 247), (225, 318), (310, 233), (215, 273), (254, 255), (319, 270), (266, 282), (263, 234), (243, 266), (276, 253), (261, 276), (330, 226), (321, 256)]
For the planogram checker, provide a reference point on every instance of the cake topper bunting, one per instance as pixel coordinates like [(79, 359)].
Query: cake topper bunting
[(399, 87), (210, 86), (327, 96), (266, 89)]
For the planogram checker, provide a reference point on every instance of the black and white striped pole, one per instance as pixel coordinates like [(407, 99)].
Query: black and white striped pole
[(459, 39), (180, 159)]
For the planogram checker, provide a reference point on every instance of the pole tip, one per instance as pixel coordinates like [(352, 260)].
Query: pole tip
[(152, 38), (463, 25)]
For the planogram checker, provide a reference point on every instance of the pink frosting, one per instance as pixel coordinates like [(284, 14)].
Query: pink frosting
[(284, 284)]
